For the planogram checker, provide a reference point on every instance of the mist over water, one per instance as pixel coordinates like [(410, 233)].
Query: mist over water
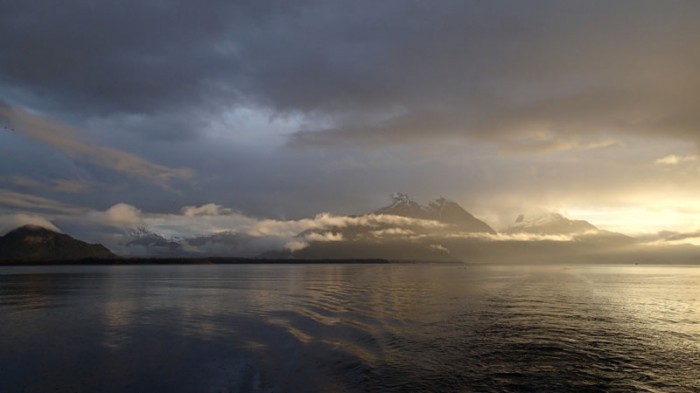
[(272, 328)]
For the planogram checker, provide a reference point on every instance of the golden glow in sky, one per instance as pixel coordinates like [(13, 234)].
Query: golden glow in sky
[(662, 214)]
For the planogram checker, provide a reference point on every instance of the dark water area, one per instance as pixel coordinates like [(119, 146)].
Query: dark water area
[(349, 328)]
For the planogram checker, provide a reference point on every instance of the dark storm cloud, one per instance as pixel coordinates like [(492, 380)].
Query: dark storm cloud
[(168, 62), (132, 56), (516, 70), (373, 71)]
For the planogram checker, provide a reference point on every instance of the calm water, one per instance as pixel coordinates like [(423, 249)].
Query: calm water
[(337, 328)]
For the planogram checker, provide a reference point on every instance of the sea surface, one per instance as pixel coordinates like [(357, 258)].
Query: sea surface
[(350, 328)]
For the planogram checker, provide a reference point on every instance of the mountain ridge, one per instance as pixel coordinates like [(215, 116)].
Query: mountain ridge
[(551, 224), (441, 210), (402, 230)]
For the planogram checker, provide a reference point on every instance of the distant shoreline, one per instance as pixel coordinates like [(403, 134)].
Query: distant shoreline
[(199, 261), (306, 261)]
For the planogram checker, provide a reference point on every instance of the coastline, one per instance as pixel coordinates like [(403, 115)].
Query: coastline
[(194, 261)]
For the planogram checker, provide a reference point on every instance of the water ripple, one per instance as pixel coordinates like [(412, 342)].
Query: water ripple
[(384, 328)]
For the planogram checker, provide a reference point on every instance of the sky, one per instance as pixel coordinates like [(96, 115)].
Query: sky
[(198, 117)]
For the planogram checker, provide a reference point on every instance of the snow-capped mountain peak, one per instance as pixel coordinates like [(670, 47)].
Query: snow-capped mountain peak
[(551, 224), (440, 209)]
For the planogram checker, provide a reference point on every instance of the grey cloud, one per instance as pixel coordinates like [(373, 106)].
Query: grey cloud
[(681, 236), (132, 56), (52, 185), (383, 72), (67, 140), (671, 237), (154, 59), (32, 203), (493, 72)]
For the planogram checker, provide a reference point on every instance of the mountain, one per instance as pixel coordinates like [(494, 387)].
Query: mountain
[(404, 206), (551, 224), (371, 228), (378, 235), (441, 209), (35, 243), (462, 237), (581, 231), (227, 244), (142, 242)]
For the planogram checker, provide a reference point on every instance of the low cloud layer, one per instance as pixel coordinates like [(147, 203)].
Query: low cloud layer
[(214, 230), (226, 232)]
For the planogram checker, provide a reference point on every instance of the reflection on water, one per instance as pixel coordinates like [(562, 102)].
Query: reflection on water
[(349, 328)]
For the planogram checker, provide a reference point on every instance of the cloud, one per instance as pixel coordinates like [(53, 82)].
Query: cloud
[(520, 237), (362, 72), (235, 230), (181, 225), (439, 248), (296, 245), (675, 160), (324, 237), (393, 232), (120, 215), (54, 185), (21, 201), (9, 222), (473, 78), (303, 242), (212, 229), (210, 209), (682, 236), (233, 233), (671, 238), (66, 140), (324, 220)]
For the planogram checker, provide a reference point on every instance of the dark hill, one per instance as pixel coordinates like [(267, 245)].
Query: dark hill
[(34, 243)]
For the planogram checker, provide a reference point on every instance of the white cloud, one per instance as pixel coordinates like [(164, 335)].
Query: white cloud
[(210, 209), (512, 236), (300, 244), (181, 225), (9, 222), (326, 220), (120, 215), (324, 237), (439, 248), (675, 160), (296, 245), (392, 232)]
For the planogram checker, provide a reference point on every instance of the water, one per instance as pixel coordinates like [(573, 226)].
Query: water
[(338, 328)]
